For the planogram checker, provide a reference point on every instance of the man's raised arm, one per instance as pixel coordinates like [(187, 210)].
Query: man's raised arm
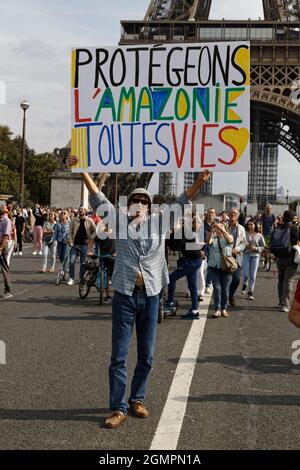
[(192, 191)]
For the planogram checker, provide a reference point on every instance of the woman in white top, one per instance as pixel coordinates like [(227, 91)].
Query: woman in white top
[(49, 244), (255, 245)]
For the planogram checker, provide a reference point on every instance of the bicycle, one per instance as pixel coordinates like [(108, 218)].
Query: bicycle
[(63, 272), (95, 275)]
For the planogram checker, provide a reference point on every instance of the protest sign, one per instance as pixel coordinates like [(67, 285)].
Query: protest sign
[(164, 108)]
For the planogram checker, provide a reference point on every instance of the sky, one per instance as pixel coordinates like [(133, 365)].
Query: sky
[(36, 38)]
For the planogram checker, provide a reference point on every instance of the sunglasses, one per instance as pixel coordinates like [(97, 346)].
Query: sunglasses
[(137, 200)]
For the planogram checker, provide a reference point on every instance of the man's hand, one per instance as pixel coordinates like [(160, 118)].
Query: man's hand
[(71, 160), (201, 180), (204, 177), (234, 251)]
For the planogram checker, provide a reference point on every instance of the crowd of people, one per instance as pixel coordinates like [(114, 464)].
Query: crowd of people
[(51, 232), (231, 234), (227, 255)]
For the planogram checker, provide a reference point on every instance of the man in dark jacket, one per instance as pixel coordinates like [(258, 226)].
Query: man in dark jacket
[(287, 268)]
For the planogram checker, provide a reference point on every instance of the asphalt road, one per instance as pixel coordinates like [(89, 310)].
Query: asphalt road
[(245, 391)]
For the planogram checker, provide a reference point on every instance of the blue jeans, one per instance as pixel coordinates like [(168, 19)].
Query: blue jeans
[(208, 277), (78, 250), (221, 284), (61, 250), (236, 277), (250, 268), (127, 309), (189, 269)]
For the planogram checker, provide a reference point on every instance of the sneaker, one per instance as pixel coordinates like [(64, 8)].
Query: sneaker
[(138, 409), (6, 296), (244, 288), (225, 314), (40, 253), (115, 420), (191, 315), (107, 300), (20, 253), (200, 298), (34, 253), (217, 314), (208, 290), (285, 309), (169, 309), (250, 295), (71, 282), (279, 306)]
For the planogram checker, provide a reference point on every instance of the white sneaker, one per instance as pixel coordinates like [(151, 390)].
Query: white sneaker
[(8, 295), (285, 309), (217, 314), (20, 253), (225, 313), (14, 254), (40, 253), (34, 253), (71, 282), (208, 290)]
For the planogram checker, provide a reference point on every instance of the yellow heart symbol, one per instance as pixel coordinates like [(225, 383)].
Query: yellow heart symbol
[(237, 138)]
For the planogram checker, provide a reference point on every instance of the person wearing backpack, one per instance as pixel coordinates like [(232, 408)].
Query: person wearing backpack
[(283, 238)]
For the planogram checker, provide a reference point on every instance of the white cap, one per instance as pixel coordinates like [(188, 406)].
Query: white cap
[(140, 191)]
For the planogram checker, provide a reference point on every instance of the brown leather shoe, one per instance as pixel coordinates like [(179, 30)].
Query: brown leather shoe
[(138, 409), (115, 419)]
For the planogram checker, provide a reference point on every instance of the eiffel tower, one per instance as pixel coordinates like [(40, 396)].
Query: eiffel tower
[(275, 74)]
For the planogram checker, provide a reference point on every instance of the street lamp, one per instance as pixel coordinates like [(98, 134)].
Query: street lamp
[(287, 197), (24, 105)]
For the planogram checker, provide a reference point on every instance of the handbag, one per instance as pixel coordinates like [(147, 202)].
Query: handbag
[(228, 263), (297, 254)]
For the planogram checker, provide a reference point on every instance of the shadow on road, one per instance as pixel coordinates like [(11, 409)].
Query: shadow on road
[(95, 316), (250, 365), (279, 400), (88, 415)]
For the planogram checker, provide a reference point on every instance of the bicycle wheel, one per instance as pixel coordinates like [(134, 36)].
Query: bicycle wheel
[(85, 285), (60, 276), (101, 287)]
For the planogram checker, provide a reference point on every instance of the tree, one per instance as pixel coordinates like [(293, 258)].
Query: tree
[(38, 169), (38, 173)]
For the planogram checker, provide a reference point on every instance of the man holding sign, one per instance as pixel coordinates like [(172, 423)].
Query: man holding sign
[(161, 108), (140, 274)]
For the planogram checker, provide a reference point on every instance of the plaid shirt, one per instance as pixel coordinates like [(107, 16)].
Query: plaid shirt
[(139, 252)]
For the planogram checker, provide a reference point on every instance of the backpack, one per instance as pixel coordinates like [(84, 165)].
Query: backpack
[(280, 243)]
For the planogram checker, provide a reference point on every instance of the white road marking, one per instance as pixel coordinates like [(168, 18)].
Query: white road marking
[(168, 430)]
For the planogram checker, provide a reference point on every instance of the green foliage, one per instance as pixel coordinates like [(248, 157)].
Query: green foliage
[(38, 169), (293, 205)]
